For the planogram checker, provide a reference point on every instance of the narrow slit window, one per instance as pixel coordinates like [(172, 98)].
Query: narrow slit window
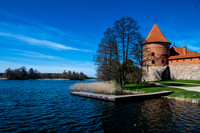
[(163, 61), (152, 54), (153, 61)]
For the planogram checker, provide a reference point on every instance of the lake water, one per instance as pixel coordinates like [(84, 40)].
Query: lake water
[(46, 105)]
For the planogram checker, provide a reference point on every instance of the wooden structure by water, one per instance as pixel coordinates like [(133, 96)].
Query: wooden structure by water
[(118, 98)]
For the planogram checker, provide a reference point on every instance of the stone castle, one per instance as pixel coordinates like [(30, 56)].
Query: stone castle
[(161, 63)]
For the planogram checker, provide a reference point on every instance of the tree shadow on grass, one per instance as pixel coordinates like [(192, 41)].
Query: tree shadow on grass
[(140, 86)]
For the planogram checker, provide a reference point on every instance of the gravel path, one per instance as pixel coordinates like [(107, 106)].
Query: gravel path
[(197, 88)]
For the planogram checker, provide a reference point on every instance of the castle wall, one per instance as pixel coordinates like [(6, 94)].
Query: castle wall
[(153, 73), (185, 71), (184, 61)]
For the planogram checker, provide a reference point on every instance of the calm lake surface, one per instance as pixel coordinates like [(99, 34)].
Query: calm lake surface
[(46, 105)]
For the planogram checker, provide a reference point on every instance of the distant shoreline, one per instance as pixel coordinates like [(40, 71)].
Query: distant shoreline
[(53, 79), (64, 79), (50, 79)]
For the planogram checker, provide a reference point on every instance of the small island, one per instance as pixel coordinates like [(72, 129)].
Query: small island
[(22, 74)]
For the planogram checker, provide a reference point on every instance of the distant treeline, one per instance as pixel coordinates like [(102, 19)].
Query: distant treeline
[(65, 75), (23, 74), (1, 75)]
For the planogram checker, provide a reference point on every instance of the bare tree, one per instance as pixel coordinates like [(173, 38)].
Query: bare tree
[(105, 57), (137, 52), (127, 35), (116, 48)]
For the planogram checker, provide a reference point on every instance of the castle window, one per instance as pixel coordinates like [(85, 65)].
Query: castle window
[(153, 61), (163, 61), (152, 54)]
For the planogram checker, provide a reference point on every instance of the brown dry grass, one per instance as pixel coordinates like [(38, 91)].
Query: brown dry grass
[(98, 87)]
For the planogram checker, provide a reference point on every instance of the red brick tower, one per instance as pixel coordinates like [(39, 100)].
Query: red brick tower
[(161, 63), (156, 48)]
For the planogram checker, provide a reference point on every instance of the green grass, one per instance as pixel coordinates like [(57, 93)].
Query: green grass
[(117, 85), (188, 81), (183, 81), (148, 88)]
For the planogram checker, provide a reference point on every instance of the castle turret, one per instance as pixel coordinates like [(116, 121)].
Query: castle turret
[(156, 48), (156, 51), (161, 63)]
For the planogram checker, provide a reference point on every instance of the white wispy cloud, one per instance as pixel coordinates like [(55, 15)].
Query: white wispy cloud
[(191, 44), (46, 43), (23, 24), (30, 33), (194, 48), (33, 54)]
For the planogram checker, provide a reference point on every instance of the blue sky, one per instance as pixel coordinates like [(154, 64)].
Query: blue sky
[(57, 35)]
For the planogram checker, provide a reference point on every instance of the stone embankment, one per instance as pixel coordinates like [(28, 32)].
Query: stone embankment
[(184, 100)]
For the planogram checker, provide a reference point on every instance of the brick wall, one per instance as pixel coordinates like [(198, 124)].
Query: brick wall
[(184, 61), (185, 71), (156, 52)]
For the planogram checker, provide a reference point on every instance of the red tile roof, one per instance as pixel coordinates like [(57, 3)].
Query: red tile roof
[(184, 56), (180, 50), (155, 35)]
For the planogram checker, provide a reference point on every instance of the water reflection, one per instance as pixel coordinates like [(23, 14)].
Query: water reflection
[(34, 106), (156, 115)]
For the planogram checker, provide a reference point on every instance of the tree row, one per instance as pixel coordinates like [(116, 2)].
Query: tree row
[(22, 74)]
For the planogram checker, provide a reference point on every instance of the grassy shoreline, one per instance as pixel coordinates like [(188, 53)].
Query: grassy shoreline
[(148, 88), (144, 87)]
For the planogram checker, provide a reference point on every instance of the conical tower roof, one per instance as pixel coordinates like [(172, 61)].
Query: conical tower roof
[(155, 35)]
